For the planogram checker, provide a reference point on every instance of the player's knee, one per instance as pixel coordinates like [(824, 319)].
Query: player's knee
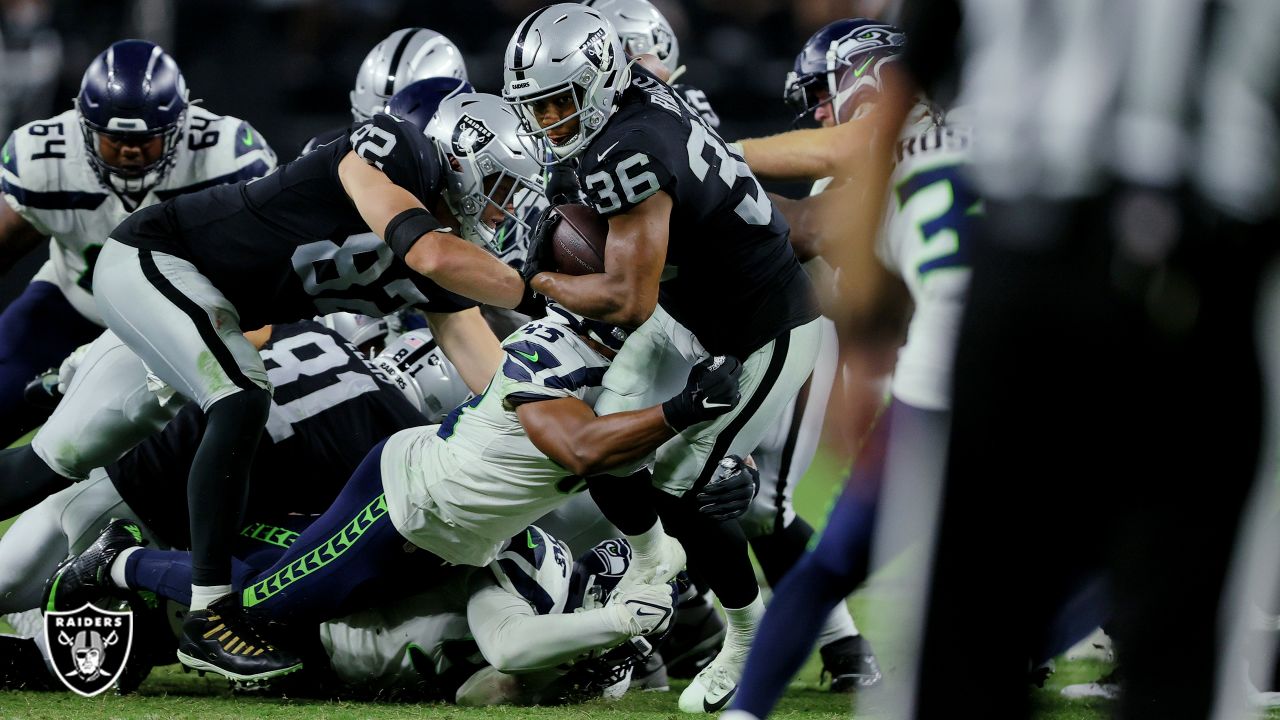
[(247, 406)]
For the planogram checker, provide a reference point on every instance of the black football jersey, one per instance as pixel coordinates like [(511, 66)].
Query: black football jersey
[(330, 407), (291, 245), (699, 102), (325, 138), (732, 278)]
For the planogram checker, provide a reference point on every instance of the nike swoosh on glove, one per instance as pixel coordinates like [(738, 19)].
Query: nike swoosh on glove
[(711, 391), (643, 609)]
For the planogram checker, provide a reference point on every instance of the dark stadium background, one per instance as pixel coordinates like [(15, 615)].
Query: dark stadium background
[(287, 65)]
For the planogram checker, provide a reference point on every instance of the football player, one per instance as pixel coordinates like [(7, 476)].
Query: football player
[(404, 57), (346, 227), (430, 501), (778, 537), (923, 243), (697, 260), (133, 139)]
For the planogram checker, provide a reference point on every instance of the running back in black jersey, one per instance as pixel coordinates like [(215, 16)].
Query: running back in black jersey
[(292, 244), (737, 283), (331, 406)]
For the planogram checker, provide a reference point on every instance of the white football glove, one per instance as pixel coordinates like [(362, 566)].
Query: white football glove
[(67, 369), (642, 609)]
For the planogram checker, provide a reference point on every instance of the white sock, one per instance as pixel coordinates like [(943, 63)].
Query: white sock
[(742, 624), (839, 625), (645, 545), (202, 595), (117, 567)]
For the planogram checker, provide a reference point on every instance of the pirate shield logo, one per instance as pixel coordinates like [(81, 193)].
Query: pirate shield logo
[(89, 646)]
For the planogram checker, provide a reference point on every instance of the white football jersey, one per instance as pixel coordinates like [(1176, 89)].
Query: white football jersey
[(47, 178), (924, 241), (375, 649), (461, 488)]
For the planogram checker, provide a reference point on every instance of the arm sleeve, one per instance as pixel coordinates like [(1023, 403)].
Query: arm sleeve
[(513, 638)]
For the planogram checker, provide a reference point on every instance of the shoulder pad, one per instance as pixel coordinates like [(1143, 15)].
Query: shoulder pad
[(535, 566), (219, 150), (38, 168), (401, 151), (545, 355)]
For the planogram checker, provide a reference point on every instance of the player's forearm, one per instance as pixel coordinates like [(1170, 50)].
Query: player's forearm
[(527, 642), (608, 441), (796, 155), (466, 269), (600, 296)]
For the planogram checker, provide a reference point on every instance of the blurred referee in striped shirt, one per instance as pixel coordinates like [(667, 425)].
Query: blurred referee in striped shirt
[(1108, 408)]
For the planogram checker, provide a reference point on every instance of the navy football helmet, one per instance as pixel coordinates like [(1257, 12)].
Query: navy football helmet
[(859, 46), (418, 101), (131, 94)]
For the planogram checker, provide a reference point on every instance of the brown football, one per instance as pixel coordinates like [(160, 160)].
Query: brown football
[(577, 242)]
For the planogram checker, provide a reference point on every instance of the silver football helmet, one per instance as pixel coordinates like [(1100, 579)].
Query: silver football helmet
[(486, 164), (361, 330), (417, 365), (405, 56), (565, 49), (643, 30)]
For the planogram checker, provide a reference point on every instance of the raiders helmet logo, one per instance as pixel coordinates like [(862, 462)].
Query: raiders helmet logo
[(470, 135), (88, 647), (596, 48)]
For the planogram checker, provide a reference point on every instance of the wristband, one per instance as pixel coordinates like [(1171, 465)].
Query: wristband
[(405, 229)]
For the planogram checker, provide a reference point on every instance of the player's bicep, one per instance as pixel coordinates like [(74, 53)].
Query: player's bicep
[(553, 426)]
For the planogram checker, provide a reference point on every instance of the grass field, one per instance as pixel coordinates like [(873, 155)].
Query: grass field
[(170, 693)]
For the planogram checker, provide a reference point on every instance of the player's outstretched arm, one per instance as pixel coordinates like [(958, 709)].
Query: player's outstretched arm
[(626, 293), (17, 237), (450, 261), (469, 343), (569, 432)]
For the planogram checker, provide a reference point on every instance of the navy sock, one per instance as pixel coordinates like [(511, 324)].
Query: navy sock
[(167, 573)]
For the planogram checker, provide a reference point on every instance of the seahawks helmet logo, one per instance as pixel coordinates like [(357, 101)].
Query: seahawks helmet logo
[(596, 48), (868, 38), (470, 136)]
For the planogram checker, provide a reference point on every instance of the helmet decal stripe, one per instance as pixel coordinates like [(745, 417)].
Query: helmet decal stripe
[(156, 54), (518, 59), (394, 68)]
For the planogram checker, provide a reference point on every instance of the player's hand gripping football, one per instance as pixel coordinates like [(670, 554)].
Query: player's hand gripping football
[(730, 491), (712, 391)]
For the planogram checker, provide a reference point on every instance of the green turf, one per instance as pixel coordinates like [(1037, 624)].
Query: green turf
[(170, 693)]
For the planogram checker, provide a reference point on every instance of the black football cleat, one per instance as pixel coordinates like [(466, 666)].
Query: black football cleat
[(219, 639), (850, 663), (86, 577)]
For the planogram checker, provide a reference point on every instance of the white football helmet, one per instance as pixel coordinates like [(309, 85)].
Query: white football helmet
[(417, 365), (643, 30), (565, 48), (404, 57), (485, 163), (362, 331)]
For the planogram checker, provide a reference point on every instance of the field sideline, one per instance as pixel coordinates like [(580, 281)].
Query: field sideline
[(170, 693)]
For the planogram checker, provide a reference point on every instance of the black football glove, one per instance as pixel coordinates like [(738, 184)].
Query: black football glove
[(712, 390), (562, 185), (538, 258), (730, 491)]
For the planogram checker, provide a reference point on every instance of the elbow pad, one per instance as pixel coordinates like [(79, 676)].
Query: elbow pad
[(405, 229)]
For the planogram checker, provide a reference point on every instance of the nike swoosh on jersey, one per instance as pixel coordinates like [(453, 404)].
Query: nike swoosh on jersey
[(528, 534), (600, 157), (526, 356), (715, 706), (248, 137)]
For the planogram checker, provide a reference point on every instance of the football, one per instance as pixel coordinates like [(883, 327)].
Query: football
[(577, 241)]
